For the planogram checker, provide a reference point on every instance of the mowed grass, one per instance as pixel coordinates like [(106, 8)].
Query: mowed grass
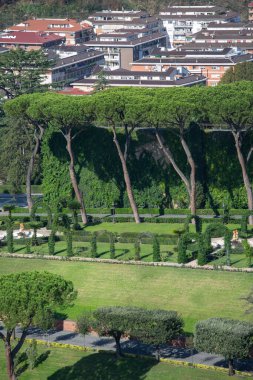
[(156, 228), (196, 294), (123, 251), (65, 364)]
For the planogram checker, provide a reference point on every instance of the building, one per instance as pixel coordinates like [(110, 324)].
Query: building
[(108, 21), (122, 48), (172, 77), (69, 65), (181, 22), (29, 40), (73, 31), (211, 64)]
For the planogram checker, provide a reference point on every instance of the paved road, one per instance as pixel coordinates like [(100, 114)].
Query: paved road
[(131, 346)]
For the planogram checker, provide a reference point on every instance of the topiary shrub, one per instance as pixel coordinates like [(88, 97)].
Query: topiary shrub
[(156, 250), (202, 253), (9, 231), (182, 248), (68, 237), (112, 246), (28, 246), (93, 245), (51, 243), (137, 250)]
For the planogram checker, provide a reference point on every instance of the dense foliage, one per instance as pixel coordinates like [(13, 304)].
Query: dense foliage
[(229, 338)]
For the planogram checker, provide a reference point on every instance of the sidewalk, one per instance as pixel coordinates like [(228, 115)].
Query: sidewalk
[(134, 347)]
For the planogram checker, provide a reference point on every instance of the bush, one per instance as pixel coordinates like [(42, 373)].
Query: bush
[(137, 250), (202, 253), (93, 245), (28, 246), (112, 246), (156, 250), (182, 248), (32, 354), (10, 243), (68, 237), (51, 243)]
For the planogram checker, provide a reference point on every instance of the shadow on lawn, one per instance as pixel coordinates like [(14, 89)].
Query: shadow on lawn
[(104, 366)]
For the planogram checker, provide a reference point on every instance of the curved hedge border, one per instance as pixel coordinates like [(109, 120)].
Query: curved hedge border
[(163, 360), (129, 262)]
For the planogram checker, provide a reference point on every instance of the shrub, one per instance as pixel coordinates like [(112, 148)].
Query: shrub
[(229, 338), (28, 246), (32, 354), (248, 251), (182, 247), (156, 250), (137, 250), (244, 224), (227, 246), (68, 237), (51, 243), (112, 246), (202, 253), (10, 243), (93, 245)]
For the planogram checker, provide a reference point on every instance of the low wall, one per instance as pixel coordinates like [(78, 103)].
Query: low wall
[(66, 325)]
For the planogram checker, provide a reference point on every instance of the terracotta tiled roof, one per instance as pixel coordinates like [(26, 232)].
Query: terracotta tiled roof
[(29, 38), (50, 25)]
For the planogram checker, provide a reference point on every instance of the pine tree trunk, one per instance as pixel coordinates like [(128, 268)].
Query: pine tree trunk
[(167, 153), (118, 346), (31, 168), (9, 362), (127, 179), (231, 370), (73, 179), (246, 180), (192, 176)]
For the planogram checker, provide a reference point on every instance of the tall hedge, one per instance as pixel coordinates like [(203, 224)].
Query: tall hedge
[(229, 338)]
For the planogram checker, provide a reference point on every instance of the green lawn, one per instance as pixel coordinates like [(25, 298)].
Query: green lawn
[(237, 260), (157, 228), (64, 364), (124, 251), (196, 294)]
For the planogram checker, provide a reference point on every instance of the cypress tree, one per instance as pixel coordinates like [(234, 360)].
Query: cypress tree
[(10, 243), (68, 236), (93, 245), (137, 250), (202, 253), (227, 245), (182, 247), (51, 243), (28, 246), (112, 247), (156, 250)]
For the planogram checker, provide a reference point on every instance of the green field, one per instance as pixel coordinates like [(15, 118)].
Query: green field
[(196, 294), (65, 364)]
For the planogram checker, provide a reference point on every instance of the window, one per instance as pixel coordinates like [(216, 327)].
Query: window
[(215, 67)]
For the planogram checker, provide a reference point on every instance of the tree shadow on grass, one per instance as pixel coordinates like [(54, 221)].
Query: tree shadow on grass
[(123, 252), (104, 366)]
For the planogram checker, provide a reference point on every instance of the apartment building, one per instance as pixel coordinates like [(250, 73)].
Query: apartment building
[(210, 64), (181, 22), (250, 8), (109, 21), (172, 77), (73, 31), (29, 40), (122, 48), (71, 64)]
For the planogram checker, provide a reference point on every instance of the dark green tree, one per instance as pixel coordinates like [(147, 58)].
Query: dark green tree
[(21, 72), (112, 246), (156, 250), (241, 71), (137, 249), (74, 206), (93, 245), (227, 246), (182, 247), (35, 226), (229, 338), (69, 241), (9, 209), (9, 237), (30, 299), (202, 253), (51, 243)]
